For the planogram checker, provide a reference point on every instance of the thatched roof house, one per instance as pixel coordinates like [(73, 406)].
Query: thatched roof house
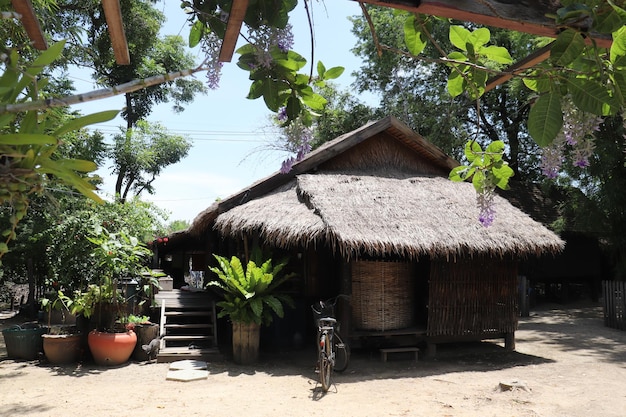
[(373, 214)]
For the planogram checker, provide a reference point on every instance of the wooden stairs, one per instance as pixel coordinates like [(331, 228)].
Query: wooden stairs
[(188, 326)]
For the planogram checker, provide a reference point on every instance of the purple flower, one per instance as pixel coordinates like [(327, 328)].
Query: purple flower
[(487, 211), (287, 165), (487, 217), (284, 39), (282, 114), (581, 163)]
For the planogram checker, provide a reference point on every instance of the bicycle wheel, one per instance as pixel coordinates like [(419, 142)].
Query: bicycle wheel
[(326, 366), (342, 353)]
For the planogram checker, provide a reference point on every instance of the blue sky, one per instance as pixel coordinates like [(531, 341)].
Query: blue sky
[(228, 131)]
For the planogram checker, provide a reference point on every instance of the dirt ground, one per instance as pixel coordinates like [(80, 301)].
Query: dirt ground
[(566, 364)]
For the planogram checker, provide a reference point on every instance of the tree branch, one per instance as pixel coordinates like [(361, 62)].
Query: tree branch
[(368, 18), (128, 87)]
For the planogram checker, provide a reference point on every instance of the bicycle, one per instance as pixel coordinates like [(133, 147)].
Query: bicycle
[(333, 352)]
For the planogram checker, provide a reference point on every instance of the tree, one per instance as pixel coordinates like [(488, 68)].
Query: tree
[(415, 91), (141, 153), (150, 54)]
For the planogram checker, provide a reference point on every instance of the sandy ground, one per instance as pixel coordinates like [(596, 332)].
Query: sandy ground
[(567, 364)]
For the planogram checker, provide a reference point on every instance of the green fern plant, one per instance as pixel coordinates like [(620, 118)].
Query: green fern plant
[(251, 295)]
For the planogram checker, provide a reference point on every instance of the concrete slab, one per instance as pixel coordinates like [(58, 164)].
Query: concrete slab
[(187, 364), (187, 375)]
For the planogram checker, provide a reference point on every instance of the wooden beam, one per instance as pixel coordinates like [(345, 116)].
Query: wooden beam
[(30, 23), (235, 20), (113, 15), (531, 60), (506, 15)]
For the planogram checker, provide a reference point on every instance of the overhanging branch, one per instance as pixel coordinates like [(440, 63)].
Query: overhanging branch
[(128, 87)]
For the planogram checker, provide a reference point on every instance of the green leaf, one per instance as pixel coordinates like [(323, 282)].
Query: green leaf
[(456, 84), (321, 70), (479, 37), (618, 47), (567, 47), (46, 58), (545, 119), (608, 22), (293, 108), (461, 173), (333, 73), (413, 38), (459, 37), (77, 165), (478, 180), (271, 89), (472, 151), (291, 60), (314, 101), (497, 54), (90, 119), (256, 89), (495, 149), (590, 96), (27, 139), (246, 49), (502, 175), (195, 34)]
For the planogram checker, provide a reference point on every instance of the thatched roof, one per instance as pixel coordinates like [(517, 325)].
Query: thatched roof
[(396, 214), (379, 190), (392, 128)]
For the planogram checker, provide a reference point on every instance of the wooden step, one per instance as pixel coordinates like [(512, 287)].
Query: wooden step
[(187, 313), (172, 354), (175, 326), (186, 337)]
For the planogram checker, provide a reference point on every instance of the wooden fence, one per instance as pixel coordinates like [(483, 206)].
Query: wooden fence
[(614, 294)]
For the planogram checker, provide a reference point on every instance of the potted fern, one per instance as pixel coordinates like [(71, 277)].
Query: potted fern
[(251, 298)]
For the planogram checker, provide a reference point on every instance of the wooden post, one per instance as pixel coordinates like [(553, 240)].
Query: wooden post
[(509, 341)]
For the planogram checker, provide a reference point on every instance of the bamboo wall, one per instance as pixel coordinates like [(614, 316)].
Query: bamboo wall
[(614, 294), (472, 297)]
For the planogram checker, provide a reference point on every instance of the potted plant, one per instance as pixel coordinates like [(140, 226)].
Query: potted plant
[(117, 255), (146, 332), (251, 298), (62, 342)]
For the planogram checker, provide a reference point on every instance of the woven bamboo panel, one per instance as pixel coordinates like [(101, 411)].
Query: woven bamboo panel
[(382, 295), (472, 297)]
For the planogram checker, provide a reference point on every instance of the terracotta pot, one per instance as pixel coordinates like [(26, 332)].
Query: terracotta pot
[(61, 348), (246, 343), (111, 349)]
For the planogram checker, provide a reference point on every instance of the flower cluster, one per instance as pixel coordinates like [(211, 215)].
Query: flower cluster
[(303, 148), (575, 137), (211, 45), (485, 202), (265, 37)]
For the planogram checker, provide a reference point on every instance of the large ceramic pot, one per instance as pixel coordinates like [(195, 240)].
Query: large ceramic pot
[(246, 343), (111, 349), (62, 348)]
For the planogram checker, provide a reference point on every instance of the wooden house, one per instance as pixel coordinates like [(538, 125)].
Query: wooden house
[(372, 214)]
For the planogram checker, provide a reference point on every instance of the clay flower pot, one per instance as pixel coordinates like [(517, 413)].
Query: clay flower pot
[(111, 349), (61, 348)]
